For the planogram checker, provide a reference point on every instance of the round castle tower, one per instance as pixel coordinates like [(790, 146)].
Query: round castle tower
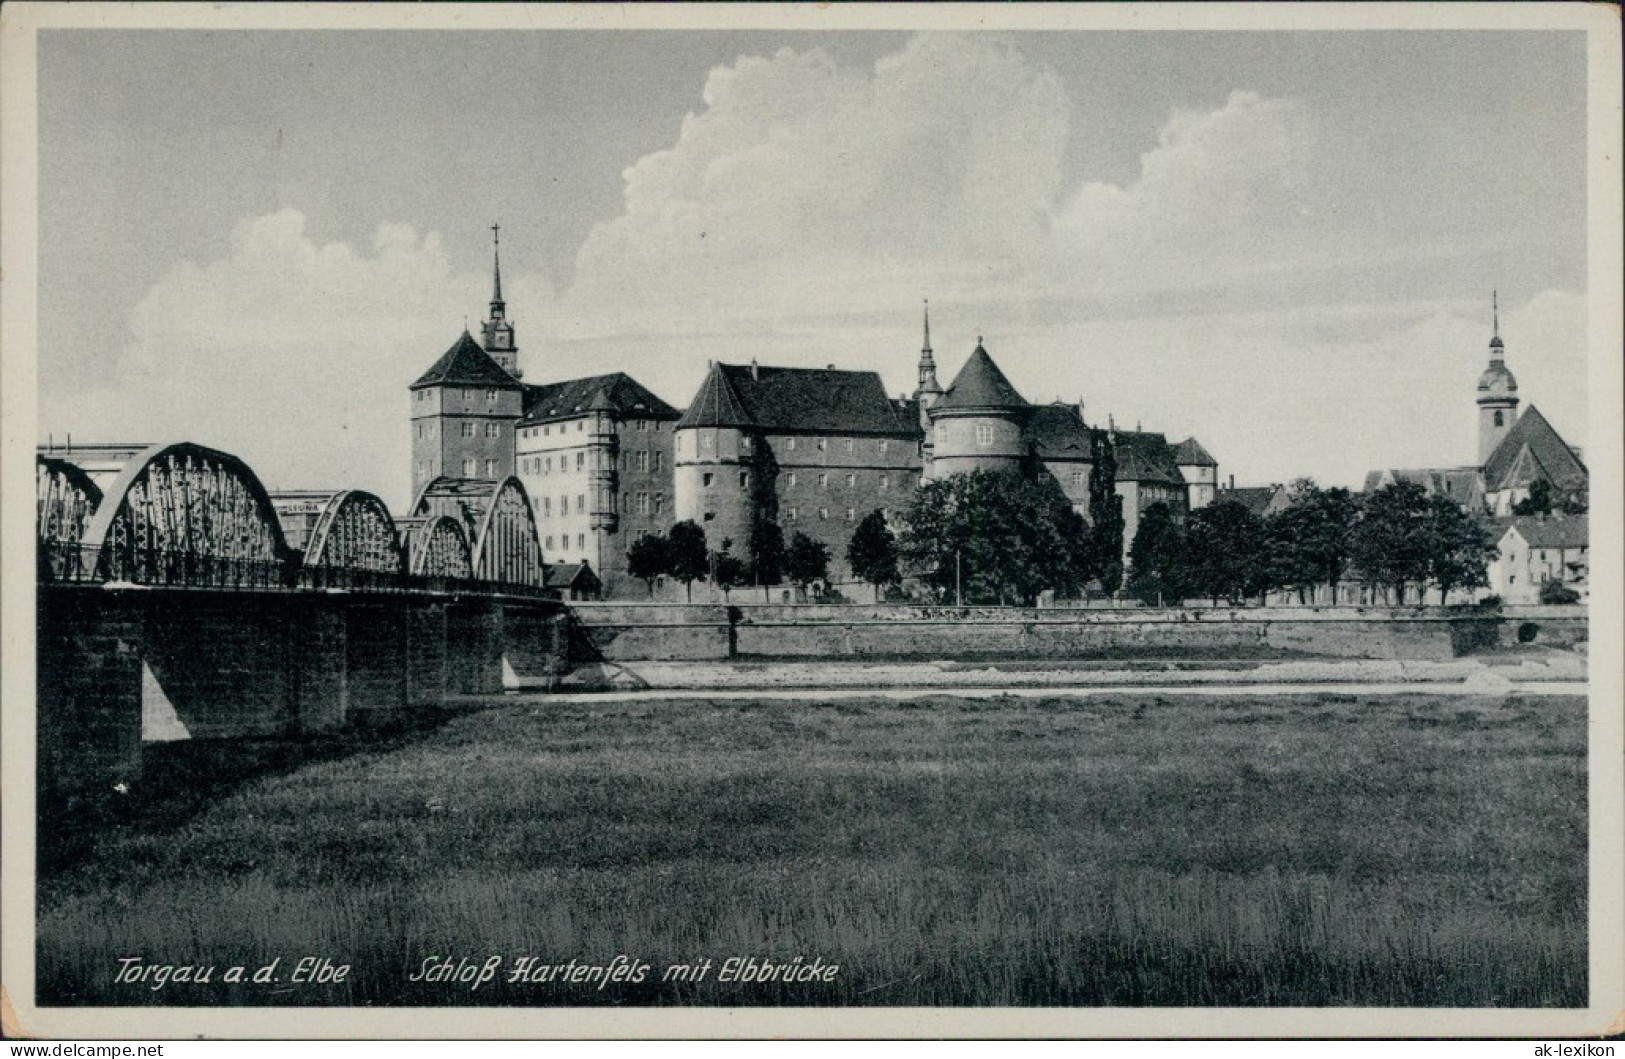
[(979, 423)]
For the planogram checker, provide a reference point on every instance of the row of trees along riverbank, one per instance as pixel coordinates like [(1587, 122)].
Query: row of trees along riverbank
[(1009, 537)]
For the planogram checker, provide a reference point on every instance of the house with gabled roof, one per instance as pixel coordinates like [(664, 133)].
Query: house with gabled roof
[(1534, 550)]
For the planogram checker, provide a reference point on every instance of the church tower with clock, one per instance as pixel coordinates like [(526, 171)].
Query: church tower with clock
[(1497, 396)]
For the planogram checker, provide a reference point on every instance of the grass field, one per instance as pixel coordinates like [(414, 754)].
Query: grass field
[(1111, 850)]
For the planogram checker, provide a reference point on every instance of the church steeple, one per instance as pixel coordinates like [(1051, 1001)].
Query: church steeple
[(929, 389), (497, 333), (1497, 392)]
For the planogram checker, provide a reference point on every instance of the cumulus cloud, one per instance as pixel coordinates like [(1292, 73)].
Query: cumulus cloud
[(291, 352), (806, 187)]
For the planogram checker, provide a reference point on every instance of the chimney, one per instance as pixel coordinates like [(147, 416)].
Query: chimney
[(1232, 481), (753, 372)]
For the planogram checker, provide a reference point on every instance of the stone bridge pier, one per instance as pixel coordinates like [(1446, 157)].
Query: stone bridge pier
[(121, 668)]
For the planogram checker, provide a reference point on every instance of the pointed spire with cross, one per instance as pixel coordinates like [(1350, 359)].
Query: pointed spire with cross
[(929, 387), (1497, 347), (497, 304)]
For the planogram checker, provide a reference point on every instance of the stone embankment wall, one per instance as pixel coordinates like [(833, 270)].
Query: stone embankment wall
[(615, 632)]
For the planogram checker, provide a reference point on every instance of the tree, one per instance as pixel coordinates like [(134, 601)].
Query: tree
[(1157, 572), (1392, 541), (686, 557), (765, 550), (1459, 547), (1105, 515), (1539, 500), (1556, 592), (727, 569), (1311, 541), (996, 536), (806, 560), (646, 559), (1225, 551), (872, 552)]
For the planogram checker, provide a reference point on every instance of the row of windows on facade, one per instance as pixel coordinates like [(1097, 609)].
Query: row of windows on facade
[(581, 425), (793, 514), (642, 503), (490, 395), (791, 479), (629, 461), (492, 430), (564, 542), (746, 443), (471, 468)]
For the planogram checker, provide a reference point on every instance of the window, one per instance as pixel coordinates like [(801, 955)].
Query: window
[(790, 514), (823, 443), (493, 430), (679, 443), (660, 502), (490, 468), (823, 481), (641, 461), (744, 479), (851, 444), (581, 541), (707, 441), (643, 503), (581, 504), (884, 444), (490, 395), (885, 480), (643, 424), (745, 443), (420, 431), (1078, 478), (790, 444), (581, 424), (823, 514), (468, 430), (790, 480), (851, 480), (422, 394), (984, 434), (654, 461), (547, 507), (548, 543), (626, 502), (548, 466), (468, 467), (851, 515), (548, 431), (705, 479), (564, 505), (942, 433), (709, 515), (581, 459), (1497, 417)]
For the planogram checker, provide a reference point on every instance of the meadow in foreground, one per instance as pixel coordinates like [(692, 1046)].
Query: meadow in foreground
[(1109, 850)]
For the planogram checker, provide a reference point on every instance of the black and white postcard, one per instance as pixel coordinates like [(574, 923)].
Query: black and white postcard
[(776, 520)]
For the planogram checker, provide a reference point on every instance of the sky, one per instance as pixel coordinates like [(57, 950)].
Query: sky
[(1281, 243)]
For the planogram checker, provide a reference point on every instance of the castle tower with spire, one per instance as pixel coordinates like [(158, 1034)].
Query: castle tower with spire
[(497, 332), (1497, 394)]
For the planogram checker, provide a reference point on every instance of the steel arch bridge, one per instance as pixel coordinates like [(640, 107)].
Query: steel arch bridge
[(65, 500), (497, 516), (437, 547), (348, 538), (184, 514)]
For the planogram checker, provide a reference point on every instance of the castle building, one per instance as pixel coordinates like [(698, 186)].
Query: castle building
[(604, 460), (814, 450)]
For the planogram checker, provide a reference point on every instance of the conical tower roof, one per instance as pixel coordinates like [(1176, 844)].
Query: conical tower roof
[(466, 364), (716, 405), (981, 385)]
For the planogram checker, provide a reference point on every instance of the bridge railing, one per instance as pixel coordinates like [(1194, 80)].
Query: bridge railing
[(69, 562)]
